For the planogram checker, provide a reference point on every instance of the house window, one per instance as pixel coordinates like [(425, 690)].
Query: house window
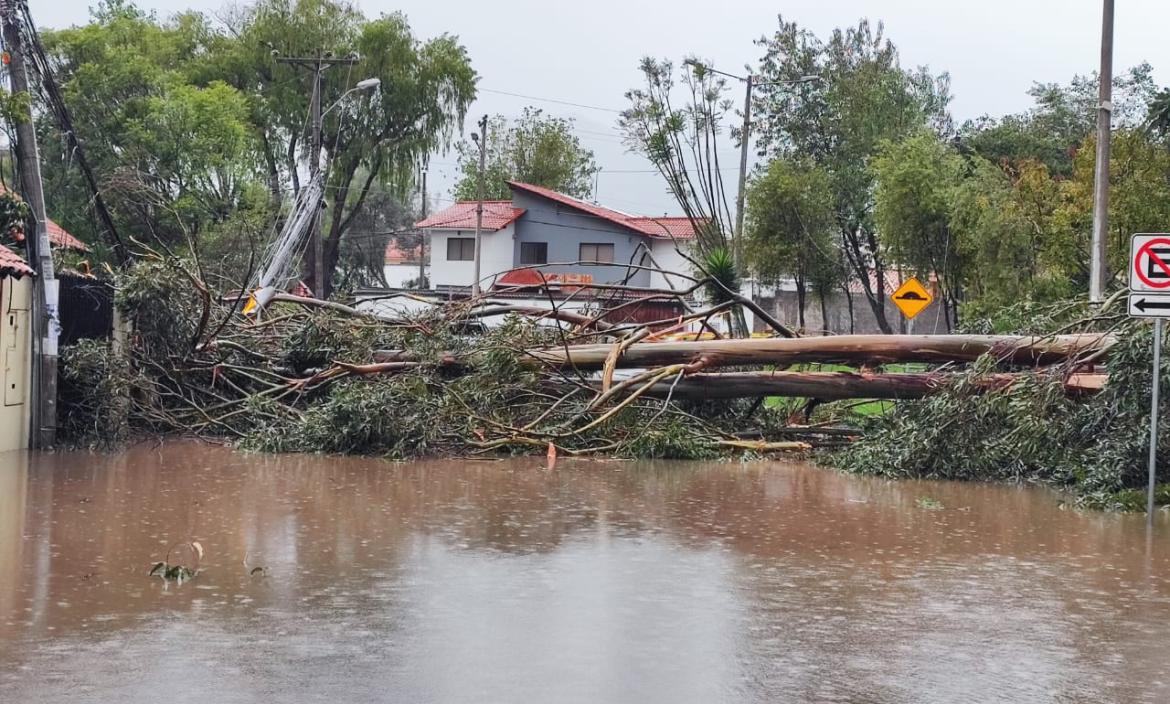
[(534, 252), (596, 252), (460, 249)]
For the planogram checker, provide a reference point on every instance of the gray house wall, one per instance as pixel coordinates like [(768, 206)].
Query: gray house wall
[(564, 229)]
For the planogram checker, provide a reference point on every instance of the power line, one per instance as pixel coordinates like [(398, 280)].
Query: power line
[(551, 100)]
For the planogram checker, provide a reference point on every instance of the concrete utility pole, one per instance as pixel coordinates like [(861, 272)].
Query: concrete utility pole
[(745, 139), (422, 238), (481, 139), (750, 81), (46, 322), (1097, 273), (317, 65)]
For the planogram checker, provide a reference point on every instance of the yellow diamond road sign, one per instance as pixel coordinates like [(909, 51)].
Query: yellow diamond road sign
[(912, 298)]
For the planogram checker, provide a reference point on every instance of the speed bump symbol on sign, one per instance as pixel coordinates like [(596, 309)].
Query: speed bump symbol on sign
[(912, 298)]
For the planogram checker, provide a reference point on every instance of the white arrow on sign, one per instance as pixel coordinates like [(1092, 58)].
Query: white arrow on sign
[(1149, 305)]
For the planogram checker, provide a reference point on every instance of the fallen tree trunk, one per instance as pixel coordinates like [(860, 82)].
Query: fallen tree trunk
[(860, 350), (832, 386)]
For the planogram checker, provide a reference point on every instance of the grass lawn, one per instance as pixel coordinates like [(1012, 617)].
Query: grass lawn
[(860, 407)]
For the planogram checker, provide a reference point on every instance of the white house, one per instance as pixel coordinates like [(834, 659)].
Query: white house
[(542, 243)]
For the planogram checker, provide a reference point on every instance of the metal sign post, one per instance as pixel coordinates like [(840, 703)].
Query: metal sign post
[(1149, 285), (1154, 419)]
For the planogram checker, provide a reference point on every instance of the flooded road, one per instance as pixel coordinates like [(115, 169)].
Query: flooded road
[(458, 581)]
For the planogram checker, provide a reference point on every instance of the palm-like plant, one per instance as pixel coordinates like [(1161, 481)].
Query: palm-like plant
[(1158, 117), (718, 267)]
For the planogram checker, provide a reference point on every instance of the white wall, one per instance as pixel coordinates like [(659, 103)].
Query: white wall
[(667, 258), (15, 362), (408, 306), (496, 250), (397, 275)]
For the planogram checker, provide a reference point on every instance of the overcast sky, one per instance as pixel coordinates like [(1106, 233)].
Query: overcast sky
[(587, 51)]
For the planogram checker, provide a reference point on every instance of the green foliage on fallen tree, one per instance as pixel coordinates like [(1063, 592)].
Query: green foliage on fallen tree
[(1095, 446)]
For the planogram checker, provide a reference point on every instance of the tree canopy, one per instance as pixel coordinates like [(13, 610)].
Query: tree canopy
[(196, 118), (535, 148)]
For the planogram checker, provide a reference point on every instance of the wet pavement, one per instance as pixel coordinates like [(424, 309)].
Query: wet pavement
[(468, 581)]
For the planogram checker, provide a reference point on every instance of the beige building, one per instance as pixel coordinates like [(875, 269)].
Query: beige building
[(15, 350)]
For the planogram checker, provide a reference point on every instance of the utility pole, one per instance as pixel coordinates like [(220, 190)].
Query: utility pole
[(422, 238), (317, 65), (750, 81), (1097, 273), (46, 323), (745, 139), (482, 140)]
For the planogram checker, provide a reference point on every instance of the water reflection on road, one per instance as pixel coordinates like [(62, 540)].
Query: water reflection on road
[(461, 581)]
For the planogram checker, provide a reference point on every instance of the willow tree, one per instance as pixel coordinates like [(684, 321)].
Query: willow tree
[(372, 141)]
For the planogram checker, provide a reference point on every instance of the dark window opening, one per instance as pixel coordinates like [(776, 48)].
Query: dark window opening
[(596, 252), (534, 252), (460, 249)]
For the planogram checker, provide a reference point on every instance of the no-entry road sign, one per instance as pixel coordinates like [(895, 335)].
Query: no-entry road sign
[(1149, 270), (1149, 305)]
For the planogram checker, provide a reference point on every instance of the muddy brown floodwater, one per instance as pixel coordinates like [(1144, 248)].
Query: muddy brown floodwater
[(462, 581)]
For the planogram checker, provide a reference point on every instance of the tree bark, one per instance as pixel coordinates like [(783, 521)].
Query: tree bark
[(867, 350), (831, 386)]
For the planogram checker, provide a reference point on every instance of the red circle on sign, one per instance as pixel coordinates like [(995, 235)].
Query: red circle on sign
[(1137, 263)]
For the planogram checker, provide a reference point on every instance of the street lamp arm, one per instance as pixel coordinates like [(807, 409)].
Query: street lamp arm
[(367, 84)]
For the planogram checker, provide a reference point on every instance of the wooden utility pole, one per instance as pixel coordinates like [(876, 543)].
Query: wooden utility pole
[(1097, 273), (317, 65), (46, 323), (482, 139)]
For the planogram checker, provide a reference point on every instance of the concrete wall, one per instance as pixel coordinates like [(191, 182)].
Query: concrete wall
[(397, 275), (783, 305), (668, 258), (564, 229), (496, 250), (16, 361)]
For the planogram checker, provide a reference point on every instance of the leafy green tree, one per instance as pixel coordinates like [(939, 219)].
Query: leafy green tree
[(1062, 118), (1139, 198), (1158, 114), (863, 99), (537, 149), (175, 157), (915, 181), (790, 229)]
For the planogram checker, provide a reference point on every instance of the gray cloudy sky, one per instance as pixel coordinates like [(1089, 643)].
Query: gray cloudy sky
[(586, 51)]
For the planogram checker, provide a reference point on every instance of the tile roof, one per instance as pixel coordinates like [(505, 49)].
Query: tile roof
[(649, 226), (497, 214), (667, 227), (11, 264), (58, 236)]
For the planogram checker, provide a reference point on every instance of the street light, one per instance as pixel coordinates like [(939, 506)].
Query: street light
[(749, 81), (367, 84)]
